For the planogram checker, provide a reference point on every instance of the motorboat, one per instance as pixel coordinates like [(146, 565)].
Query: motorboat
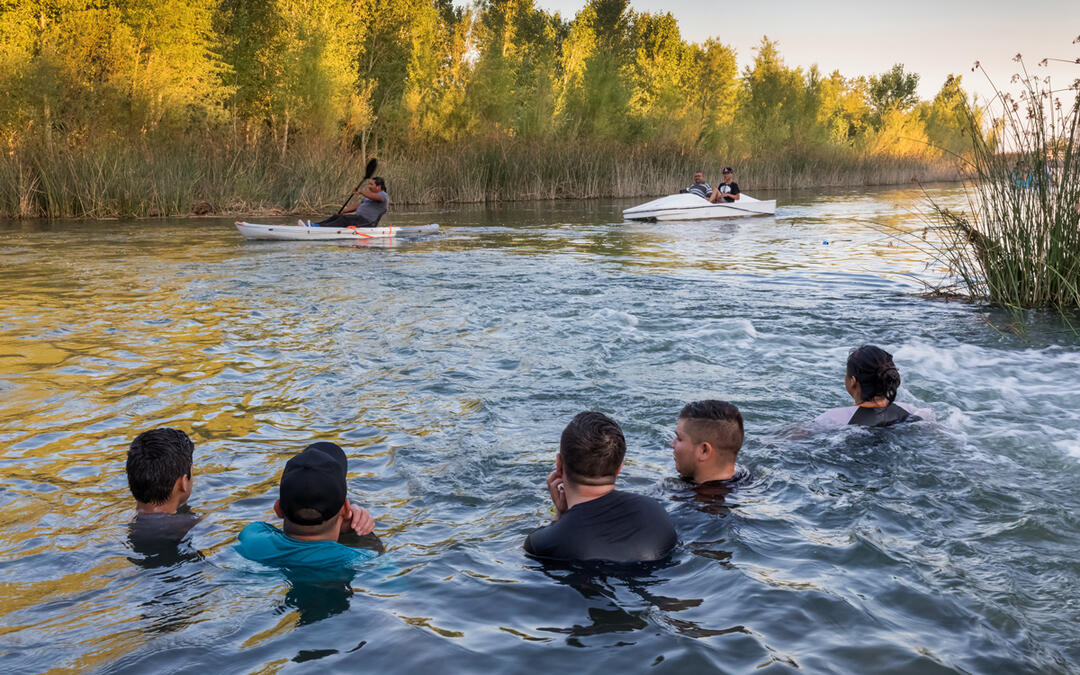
[(687, 206)]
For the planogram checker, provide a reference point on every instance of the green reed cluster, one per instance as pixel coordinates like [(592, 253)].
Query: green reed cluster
[(1018, 243)]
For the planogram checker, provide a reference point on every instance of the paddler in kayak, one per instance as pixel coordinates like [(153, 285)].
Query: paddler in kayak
[(374, 204)]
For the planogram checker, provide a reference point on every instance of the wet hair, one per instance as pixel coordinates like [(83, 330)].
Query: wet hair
[(592, 448), (379, 181), (872, 367), (718, 423), (155, 460)]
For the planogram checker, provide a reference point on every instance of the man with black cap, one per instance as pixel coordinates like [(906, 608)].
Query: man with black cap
[(313, 503), (728, 191)]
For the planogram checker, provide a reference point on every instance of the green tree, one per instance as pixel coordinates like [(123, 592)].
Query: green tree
[(659, 94), (513, 84), (174, 74), (594, 94), (892, 90), (775, 100), (843, 110), (946, 121), (709, 80)]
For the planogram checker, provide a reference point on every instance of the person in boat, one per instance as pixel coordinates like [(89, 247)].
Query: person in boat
[(728, 191), (372, 207), (700, 187), (707, 440), (318, 518), (593, 520), (872, 380), (158, 471)]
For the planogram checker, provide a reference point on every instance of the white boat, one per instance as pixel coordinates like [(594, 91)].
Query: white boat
[(688, 206), (301, 232)]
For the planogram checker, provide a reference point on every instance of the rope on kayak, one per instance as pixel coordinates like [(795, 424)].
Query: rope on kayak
[(359, 233)]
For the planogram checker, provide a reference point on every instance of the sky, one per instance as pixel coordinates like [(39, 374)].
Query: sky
[(933, 39)]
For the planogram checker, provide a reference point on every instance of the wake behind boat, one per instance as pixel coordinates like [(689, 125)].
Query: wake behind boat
[(688, 206), (302, 232)]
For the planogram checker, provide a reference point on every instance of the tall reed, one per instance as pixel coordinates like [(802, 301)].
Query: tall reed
[(1018, 243), (222, 175)]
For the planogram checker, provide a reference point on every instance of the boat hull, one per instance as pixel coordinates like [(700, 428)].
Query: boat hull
[(300, 233), (693, 207)]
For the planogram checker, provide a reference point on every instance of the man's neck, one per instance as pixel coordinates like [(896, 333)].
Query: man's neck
[(168, 507), (579, 494), (710, 473), (329, 534), (325, 536)]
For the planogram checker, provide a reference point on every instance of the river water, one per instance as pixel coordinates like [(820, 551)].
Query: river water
[(447, 367)]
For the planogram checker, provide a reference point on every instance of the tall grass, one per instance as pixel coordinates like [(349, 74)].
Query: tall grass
[(222, 176), (1018, 243)]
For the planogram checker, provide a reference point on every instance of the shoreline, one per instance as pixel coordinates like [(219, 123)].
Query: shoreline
[(306, 210)]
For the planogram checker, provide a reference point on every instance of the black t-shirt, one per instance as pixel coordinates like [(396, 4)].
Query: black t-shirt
[(161, 539), (618, 527), (727, 189)]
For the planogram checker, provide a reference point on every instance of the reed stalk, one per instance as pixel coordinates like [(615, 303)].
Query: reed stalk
[(1017, 244)]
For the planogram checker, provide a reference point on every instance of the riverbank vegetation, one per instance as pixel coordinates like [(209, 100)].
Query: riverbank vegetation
[(164, 107), (1018, 243)]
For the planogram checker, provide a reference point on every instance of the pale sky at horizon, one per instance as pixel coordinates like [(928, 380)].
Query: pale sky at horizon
[(932, 39)]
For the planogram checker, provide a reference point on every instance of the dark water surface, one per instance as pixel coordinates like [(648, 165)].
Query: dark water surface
[(447, 366)]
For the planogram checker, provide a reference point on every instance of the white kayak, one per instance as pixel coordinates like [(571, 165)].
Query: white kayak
[(688, 206), (301, 232)]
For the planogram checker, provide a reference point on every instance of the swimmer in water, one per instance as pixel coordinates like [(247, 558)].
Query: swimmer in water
[(707, 439), (316, 515), (158, 470), (593, 520), (872, 380)]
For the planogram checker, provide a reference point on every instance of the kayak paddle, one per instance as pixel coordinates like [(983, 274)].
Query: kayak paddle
[(368, 173)]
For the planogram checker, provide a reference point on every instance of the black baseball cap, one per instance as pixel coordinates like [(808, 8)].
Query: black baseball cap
[(314, 480), (727, 169)]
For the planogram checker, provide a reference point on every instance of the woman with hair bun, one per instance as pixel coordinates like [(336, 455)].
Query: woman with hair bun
[(872, 380)]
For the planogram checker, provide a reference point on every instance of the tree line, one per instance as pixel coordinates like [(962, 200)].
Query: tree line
[(373, 74)]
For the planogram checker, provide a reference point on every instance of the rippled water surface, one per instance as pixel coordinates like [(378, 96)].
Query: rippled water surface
[(447, 366)]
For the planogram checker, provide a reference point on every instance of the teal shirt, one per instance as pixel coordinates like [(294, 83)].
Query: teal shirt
[(266, 544)]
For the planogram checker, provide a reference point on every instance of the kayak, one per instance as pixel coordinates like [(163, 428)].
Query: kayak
[(687, 206), (301, 232)]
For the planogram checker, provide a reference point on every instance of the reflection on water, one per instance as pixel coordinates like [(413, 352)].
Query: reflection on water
[(448, 365)]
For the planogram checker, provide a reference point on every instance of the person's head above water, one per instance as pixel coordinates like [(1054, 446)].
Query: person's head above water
[(591, 449), (312, 496), (159, 470), (871, 375), (707, 440)]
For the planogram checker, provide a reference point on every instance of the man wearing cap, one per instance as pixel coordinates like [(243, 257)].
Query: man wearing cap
[(728, 191), (316, 512)]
